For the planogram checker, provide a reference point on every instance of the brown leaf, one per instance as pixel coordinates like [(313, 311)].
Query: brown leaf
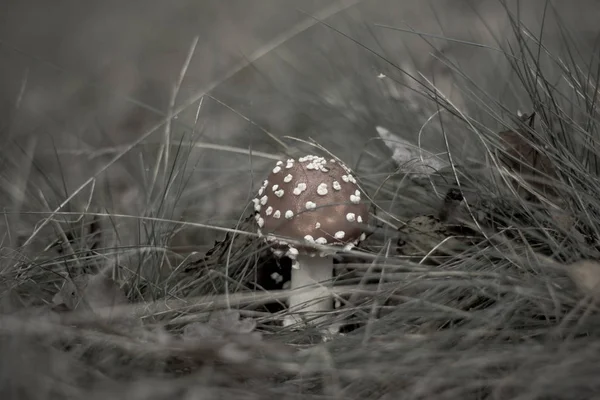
[(89, 292), (521, 155), (586, 276)]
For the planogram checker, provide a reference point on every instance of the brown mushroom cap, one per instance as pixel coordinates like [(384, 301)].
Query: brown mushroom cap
[(313, 200)]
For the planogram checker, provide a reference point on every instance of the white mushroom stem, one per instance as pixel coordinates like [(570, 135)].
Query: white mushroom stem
[(313, 279)]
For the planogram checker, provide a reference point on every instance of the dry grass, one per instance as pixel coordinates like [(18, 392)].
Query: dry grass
[(483, 305)]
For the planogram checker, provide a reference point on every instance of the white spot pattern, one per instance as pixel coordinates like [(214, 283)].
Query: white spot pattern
[(277, 277), (322, 189), (301, 187)]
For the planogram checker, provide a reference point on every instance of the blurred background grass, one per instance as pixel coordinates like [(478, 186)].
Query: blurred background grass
[(80, 80), (86, 91)]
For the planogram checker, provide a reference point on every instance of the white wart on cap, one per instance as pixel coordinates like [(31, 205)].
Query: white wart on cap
[(310, 199)]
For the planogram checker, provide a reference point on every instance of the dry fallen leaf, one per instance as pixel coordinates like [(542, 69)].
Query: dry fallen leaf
[(586, 276), (230, 321), (426, 233), (415, 160), (522, 155), (89, 292), (220, 324)]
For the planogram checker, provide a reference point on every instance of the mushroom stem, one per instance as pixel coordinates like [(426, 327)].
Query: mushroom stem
[(316, 273)]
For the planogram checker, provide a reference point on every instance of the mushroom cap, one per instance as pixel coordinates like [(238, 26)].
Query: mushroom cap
[(310, 199)]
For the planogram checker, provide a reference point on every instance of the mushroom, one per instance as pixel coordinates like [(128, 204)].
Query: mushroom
[(316, 203)]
